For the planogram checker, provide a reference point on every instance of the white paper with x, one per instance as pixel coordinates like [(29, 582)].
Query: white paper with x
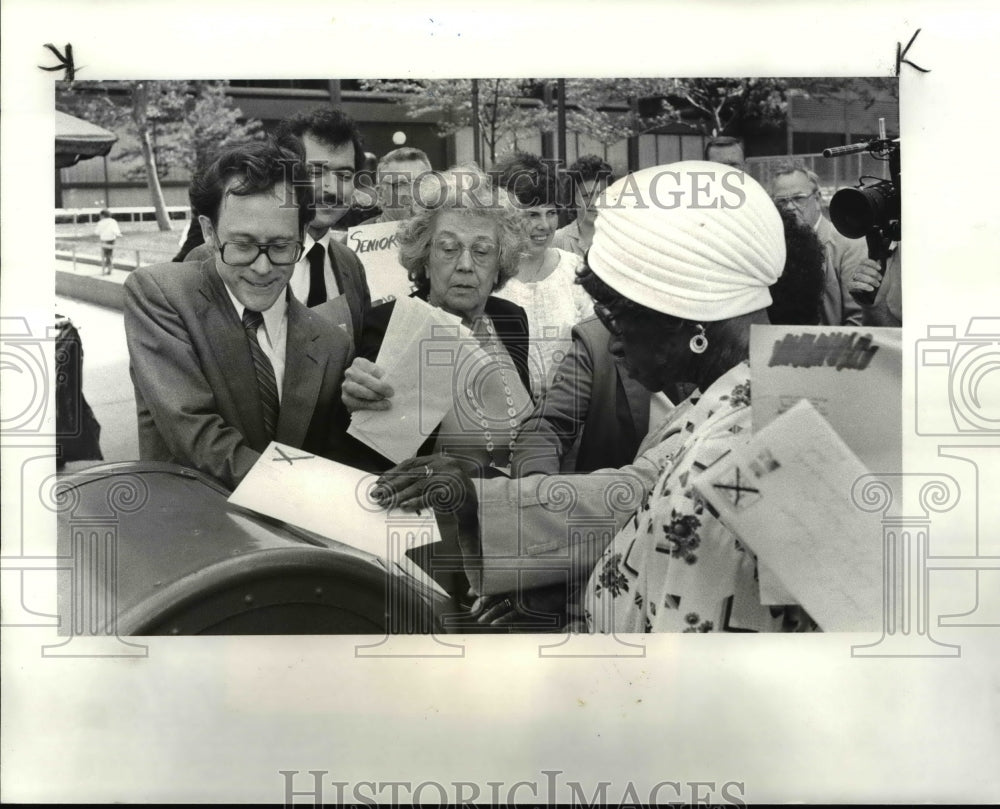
[(787, 495), (332, 500)]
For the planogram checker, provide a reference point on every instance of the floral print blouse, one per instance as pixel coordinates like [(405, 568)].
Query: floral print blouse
[(674, 566)]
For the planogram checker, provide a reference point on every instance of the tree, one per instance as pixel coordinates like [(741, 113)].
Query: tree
[(609, 110), (504, 108), (163, 125), (725, 106), (864, 90), (213, 123)]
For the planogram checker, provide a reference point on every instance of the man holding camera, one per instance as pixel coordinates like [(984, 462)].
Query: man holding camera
[(796, 188)]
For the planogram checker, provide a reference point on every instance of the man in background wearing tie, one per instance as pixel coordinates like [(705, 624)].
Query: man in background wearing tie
[(222, 358), (332, 152)]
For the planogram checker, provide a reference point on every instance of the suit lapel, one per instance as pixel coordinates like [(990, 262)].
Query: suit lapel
[(306, 353), (638, 401), (227, 341), (338, 272), (349, 287)]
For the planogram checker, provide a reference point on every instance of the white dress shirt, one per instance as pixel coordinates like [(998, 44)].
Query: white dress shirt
[(271, 334), (300, 275)]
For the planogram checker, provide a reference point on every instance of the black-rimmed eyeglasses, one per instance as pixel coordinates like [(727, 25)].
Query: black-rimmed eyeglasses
[(243, 254)]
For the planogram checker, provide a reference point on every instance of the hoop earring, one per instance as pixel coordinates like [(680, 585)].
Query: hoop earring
[(699, 343)]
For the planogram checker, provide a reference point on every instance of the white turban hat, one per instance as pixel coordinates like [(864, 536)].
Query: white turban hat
[(696, 240)]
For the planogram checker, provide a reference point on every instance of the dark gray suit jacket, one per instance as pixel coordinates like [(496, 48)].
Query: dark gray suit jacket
[(196, 390)]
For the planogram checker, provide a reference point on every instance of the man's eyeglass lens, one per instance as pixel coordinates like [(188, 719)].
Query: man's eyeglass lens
[(242, 254)]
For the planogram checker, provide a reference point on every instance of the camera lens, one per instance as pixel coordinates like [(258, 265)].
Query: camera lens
[(855, 211)]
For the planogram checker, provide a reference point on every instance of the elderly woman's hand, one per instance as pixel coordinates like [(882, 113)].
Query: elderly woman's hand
[(363, 387), (436, 482)]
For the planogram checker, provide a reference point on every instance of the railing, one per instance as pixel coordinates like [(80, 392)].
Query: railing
[(833, 172), (125, 258), (86, 216)]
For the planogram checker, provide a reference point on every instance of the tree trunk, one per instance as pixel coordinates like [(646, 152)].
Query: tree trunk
[(140, 100)]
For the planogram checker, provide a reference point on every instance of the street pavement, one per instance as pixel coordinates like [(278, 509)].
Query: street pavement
[(106, 383)]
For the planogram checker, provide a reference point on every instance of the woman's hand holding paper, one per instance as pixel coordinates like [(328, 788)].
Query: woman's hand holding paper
[(363, 387)]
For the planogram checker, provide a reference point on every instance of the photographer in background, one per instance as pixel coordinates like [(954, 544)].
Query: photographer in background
[(795, 188)]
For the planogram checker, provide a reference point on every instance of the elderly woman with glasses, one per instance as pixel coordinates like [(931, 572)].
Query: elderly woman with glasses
[(459, 248), (679, 270)]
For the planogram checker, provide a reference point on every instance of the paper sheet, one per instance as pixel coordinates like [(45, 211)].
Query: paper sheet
[(378, 250), (422, 350), (787, 494), (852, 376), (331, 499)]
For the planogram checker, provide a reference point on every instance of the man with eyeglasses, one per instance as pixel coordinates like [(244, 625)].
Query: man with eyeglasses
[(223, 358), (796, 189)]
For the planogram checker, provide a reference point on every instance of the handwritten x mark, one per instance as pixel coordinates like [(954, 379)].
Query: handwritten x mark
[(735, 489), (290, 458), (65, 61)]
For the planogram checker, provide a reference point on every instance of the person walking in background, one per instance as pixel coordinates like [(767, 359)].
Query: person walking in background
[(107, 231)]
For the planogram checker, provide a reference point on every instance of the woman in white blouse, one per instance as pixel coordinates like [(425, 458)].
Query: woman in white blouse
[(545, 282)]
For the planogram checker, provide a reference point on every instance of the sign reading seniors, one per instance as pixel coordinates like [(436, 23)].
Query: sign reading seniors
[(378, 250)]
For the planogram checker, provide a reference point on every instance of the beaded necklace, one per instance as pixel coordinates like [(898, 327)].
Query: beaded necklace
[(491, 342)]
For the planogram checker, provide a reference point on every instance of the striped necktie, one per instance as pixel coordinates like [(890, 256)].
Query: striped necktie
[(265, 372)]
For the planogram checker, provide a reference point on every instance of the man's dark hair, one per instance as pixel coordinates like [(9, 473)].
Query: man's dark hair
[(798, 294), (329, 126), (590, 167), (256, 167), (105, 213), (528, 178), (721, 142)]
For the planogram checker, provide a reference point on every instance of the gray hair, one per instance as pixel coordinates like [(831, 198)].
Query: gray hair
[(793, 167), (467, 190)]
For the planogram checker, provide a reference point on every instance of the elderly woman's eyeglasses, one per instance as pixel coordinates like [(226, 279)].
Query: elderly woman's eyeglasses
[(450, 250), (243, 254)]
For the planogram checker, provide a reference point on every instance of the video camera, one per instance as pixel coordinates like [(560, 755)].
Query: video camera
[(871, 210)]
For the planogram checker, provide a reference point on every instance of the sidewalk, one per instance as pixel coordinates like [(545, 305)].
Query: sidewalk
[(85, 283)]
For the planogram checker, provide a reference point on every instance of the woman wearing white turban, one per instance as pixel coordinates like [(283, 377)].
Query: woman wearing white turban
[(679, 270), (678, 288)]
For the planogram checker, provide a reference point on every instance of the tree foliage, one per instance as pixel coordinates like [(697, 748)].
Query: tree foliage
[(609, 110), (863, 90), (162, 125), (604, 110), (504, 106), (726, 106)]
